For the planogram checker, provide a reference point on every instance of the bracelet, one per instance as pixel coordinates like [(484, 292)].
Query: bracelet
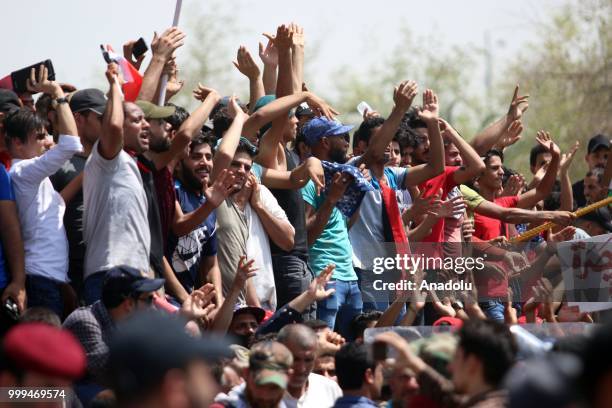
[(61, 100)]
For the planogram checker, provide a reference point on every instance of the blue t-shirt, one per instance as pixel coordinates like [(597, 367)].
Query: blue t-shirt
[(188, 251), (333, 245), (6, 194)]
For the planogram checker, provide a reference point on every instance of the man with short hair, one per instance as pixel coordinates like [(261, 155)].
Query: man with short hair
[(40, 207), (9, 103), (266, 378), (598, 150), (593, 189), (244, 324), (359, 377), (305, 388)]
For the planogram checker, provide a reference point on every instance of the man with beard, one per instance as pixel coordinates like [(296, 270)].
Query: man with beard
[(244, 324), (266, 379), (598, 150), (306, 389)]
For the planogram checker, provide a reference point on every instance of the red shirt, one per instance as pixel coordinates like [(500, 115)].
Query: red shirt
[(5, 159), (446, 182), (488, 228)]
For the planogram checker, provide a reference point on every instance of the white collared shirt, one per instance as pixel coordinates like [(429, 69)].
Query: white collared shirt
[(41, 210)]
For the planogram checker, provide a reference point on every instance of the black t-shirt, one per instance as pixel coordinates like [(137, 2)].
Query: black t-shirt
[(292, 203), (147, 169), (73, 217), (578, 192)]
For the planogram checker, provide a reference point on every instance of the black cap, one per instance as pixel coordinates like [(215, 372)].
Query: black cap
[(597, 142), (601, 217), (303, 110), (88, 99), (149, 344), (9, 101), (257, 312), (129, 281)]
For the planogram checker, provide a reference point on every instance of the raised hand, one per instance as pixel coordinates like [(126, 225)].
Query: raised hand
[(174, 85), (518, 105), (220, 189), (316, 290), (319, 107), (511, 135), (128, 47), (329, 342), (234, 110), (513, 186), (199, 304), (297, 35), (269, 54), (404, 94), (449, 208), (202, 92), (429, 111), (245, 271), (283, 39), (543, 138), (170, 40), (566, 158), (40, 83), (245, 63)]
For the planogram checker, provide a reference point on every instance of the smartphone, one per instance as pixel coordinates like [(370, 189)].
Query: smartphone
[(140, 47), (379, 351), (20, 77), (105, 55)]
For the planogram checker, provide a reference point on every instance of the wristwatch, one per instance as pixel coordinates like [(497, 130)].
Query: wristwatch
[(61, 100)]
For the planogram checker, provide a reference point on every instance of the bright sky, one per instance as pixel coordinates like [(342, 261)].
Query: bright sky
[(347, 32)]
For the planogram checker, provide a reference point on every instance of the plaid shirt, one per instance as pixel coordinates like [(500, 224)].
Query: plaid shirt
[(92, 326)]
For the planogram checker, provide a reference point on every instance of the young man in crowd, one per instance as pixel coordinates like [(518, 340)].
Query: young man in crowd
[(359, 376), (40, 207), (598, 150)]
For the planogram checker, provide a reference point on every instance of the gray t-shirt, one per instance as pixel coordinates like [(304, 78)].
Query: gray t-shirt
[(115, 224), (232, 235)]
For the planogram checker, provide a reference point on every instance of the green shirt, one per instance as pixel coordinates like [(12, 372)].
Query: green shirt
[(333, 245), (472, 199)]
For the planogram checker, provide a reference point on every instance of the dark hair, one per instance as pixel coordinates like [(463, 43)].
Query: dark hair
[(352, 361), (406, 133), (597, 173), (492, 343), (360, 322), (244, 146), (597, 359), (179, 116), (20, 123), (535, 152), (40, 315), (203, 138), (221, 122), (364, 131), (492, 153)]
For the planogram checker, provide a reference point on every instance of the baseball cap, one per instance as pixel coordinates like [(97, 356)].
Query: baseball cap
[(149, 344), (269, 362), (601, 216), (303, 110), (88, 99), (257, 312), (318, 128), (9, 101), (152, 111), (128, 281), (597, 142), (45, 349)]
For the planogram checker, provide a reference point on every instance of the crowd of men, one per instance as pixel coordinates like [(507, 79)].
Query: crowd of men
[(226, 257)]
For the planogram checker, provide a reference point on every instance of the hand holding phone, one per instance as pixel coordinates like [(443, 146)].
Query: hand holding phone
[(20, 78)]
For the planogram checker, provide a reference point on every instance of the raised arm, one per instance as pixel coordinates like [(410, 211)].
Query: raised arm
[(567, 197), (403, 95), (485, 140), (269, 57), (532, 197), (162, 47), (297, 57), (229, 143), (247, 66), (435, 166), (111, 139), (472, 163)]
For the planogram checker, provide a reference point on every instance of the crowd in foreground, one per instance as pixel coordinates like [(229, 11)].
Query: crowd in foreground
[(229, 256)]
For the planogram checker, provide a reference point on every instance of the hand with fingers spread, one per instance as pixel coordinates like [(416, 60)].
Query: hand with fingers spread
[(220, 189), (565, 234), (164, 46), (201, 92), (513, 186), (518, 106), (174, 85), (39, 82), (245, 271), (200, 303), (283, 39), (567, 158), (450, 208), (404, 94), (319, 107), (543, 138), (316, 291), (127, 54), (510, 136), (429, 110), (245, 63), (338, 187), (269, 54), (297, 35)]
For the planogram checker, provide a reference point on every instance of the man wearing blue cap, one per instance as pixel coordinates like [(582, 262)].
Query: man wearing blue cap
[(328, 228)]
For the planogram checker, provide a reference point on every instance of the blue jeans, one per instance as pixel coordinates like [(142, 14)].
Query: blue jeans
[(341, 307), (92, 287), (292, 277), (45, 292), (493, 309), (374, 299)]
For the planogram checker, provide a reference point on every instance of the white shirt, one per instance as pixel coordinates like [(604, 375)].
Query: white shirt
[(115, 220), (258, 248), (321, 393), (41, 210)]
